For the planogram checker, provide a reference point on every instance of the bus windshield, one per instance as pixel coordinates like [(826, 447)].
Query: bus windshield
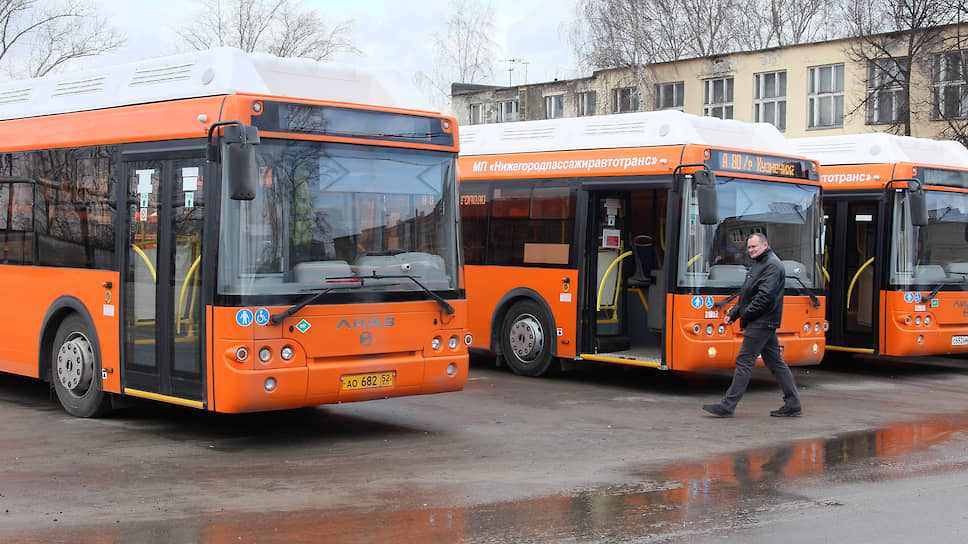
[(326, 212), (936, 253), (715, 255)]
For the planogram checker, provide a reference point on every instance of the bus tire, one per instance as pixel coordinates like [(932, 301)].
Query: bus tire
[(76, 370), (527, 340)]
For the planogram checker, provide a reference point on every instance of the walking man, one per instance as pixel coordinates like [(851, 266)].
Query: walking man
[(759, 311)]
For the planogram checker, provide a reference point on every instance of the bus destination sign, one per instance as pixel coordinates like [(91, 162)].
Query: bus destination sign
[(764, 165), (945, 177)]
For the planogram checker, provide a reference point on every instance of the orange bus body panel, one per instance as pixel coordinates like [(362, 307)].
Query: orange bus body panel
[(948, 319), (341, 340), (491, 283), (691, 351), (26, 307)]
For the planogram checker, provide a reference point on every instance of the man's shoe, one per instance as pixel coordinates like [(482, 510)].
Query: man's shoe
[(717, 410), (786, 411)]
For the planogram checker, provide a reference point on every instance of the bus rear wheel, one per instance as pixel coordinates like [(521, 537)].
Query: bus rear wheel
[(76, 370), (526, 340)]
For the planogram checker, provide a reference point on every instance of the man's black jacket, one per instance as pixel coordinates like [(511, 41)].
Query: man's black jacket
[(761, 297)]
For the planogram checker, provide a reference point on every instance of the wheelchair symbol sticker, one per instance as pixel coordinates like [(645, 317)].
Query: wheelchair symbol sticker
[(709, 302), (261, 316), (917, 297)]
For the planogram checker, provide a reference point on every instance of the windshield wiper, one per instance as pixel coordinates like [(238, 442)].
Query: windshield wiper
[(813, 298), (964, 280), (345, 283), (440, 300)]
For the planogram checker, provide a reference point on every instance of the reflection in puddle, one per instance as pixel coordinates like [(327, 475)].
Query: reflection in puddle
[(658, 503)]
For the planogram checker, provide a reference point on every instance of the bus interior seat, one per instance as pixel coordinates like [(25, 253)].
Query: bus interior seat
[(796, 269), (727, 273), (315, 271), (928, 273), (644, 254)]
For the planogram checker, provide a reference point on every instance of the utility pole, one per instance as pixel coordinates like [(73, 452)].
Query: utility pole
[(511, 63)]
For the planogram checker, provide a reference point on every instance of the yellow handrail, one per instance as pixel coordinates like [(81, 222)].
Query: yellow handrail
[(181, 296), (853, 281), (151, 267), (605, 277)]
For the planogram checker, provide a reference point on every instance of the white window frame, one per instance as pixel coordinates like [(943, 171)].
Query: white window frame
[(676, 89), (507, 111), (584, 108), (554, 106), (831, 95), (951, 84), (881, 84), (769, 94), (721, 103), (618, 99), (476, 114)]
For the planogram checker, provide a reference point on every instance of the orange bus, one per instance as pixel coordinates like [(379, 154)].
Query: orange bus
[(618, 238), (896, 259), (228, 232)]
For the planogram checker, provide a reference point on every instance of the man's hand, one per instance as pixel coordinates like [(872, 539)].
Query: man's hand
[(727, 319)]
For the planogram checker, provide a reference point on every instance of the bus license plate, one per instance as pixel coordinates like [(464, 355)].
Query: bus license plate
[(959, 340), (368, 381)]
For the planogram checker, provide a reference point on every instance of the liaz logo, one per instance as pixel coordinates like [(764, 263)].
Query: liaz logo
[(365, 323)]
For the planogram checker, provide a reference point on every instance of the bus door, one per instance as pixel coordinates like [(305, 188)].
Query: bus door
[(849, 270), (625, 302), (163, 324)]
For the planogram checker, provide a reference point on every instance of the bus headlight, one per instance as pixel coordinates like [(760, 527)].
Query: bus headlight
[(709, 330), (270, 384), (265, 354), (468, 339), (816, 327), (806, 327), (452, 369), (286, 353), (241, 354), (927, 320), (907, 320), (452, 343), (722, 329), (917, 321), (435, 343)]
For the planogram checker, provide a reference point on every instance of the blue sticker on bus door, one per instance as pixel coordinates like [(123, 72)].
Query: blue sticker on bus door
[(697, 302), (261, 316), (709, 302), (909, 297), (243, 317)]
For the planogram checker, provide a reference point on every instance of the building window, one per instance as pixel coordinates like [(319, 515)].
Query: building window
[(507, 111), (951, 85), (717, 97), (587, 101), (885, 92), (477, 114), (825, 96), (769, 98), (624, 100), (668, 96), (554, 106)]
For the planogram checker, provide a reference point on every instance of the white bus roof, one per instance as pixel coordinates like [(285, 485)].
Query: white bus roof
[(641, 129), (205, 73), (880, 147)]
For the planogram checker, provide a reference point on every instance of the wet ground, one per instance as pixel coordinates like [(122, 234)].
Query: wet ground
[(598, 454)]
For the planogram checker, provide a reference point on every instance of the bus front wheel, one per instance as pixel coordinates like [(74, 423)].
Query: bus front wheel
[(76, 370), (526, 339)]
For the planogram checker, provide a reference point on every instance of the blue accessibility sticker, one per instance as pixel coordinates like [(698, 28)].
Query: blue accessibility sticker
[(709, 302), (243, 317), (697, 302), (917, 297), (908, 297), (261, 316)]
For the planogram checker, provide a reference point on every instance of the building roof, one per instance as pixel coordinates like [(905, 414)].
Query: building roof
[(641, 129), (205, 73), (880, 147)]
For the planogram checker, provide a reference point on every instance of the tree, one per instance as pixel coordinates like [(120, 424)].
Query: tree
[(463, 51), (895, 40), (279, 27), (37, 37)]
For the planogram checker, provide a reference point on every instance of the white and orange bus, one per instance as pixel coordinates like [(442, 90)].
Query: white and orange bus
[(618, 238), (896, 217), (228, 232)]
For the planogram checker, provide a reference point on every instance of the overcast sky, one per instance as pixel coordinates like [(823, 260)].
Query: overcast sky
[(398, 33)]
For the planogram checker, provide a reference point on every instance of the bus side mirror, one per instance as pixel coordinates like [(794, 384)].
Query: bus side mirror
[(706, 196), (918, 203), (237, 153)]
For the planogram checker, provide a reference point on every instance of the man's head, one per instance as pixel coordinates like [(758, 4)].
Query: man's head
[(756, 244)]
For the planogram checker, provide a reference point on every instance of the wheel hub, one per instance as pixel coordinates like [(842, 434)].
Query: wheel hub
[(75, 364), (527, 338)]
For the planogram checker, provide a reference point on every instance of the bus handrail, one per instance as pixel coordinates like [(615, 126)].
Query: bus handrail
[(608, 270), (151, 267), (853, 281), (181, 296)]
